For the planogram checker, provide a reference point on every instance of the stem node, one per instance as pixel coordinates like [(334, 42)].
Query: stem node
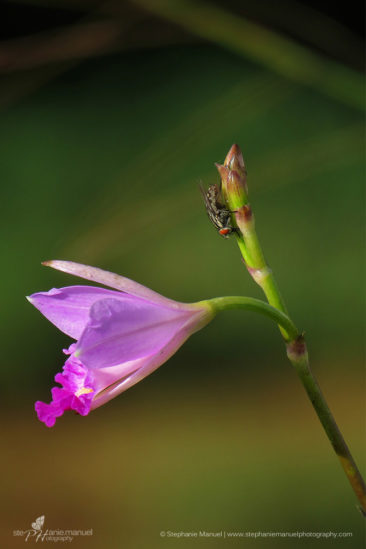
[(296, 349)]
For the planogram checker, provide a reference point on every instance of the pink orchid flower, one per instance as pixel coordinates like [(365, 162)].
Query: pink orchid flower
[(122, 335)]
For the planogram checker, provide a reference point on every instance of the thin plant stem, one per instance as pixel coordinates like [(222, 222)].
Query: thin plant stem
[(235, 192), (298, 356), (258, 306)]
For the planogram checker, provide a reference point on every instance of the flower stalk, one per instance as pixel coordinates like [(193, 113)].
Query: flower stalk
[(255, 305), (298, 356), (235, 192)]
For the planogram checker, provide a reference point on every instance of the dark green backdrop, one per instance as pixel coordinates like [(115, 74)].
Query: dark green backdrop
[(101, 165)]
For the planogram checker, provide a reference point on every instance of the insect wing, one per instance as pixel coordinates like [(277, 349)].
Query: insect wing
[(210, 197)]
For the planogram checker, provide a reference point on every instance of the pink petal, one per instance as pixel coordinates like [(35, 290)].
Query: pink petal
[(68, 308), (112, 280), (125, 329), (134, 371), (76, 393)]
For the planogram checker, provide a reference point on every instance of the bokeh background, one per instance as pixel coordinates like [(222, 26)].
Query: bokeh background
[(111, 115)]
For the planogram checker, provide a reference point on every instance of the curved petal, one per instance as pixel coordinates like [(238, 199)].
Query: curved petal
[(125, 329), (113, 280), (141, 368), (68, 308)]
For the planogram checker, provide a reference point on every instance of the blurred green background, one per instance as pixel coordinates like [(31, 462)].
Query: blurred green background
[(111, 115)]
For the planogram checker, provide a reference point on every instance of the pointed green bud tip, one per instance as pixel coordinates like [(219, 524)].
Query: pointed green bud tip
[(234, 159), (234, 178), (235, 166)]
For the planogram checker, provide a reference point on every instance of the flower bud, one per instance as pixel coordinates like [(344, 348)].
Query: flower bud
[(234, 178), (235, 161)]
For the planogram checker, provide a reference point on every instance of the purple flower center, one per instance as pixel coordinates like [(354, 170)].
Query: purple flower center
[(76, 392)]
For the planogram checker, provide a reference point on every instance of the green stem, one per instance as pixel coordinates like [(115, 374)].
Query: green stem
[(258, 306), (254, 260), (233, 189), (298, 356)]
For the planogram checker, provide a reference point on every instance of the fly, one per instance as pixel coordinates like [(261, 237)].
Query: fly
[(217, 212)]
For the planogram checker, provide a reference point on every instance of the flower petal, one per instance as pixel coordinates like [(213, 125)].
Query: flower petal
[(125, 329), (141, 368), (112, 280), (68, 308), (76, 393)]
